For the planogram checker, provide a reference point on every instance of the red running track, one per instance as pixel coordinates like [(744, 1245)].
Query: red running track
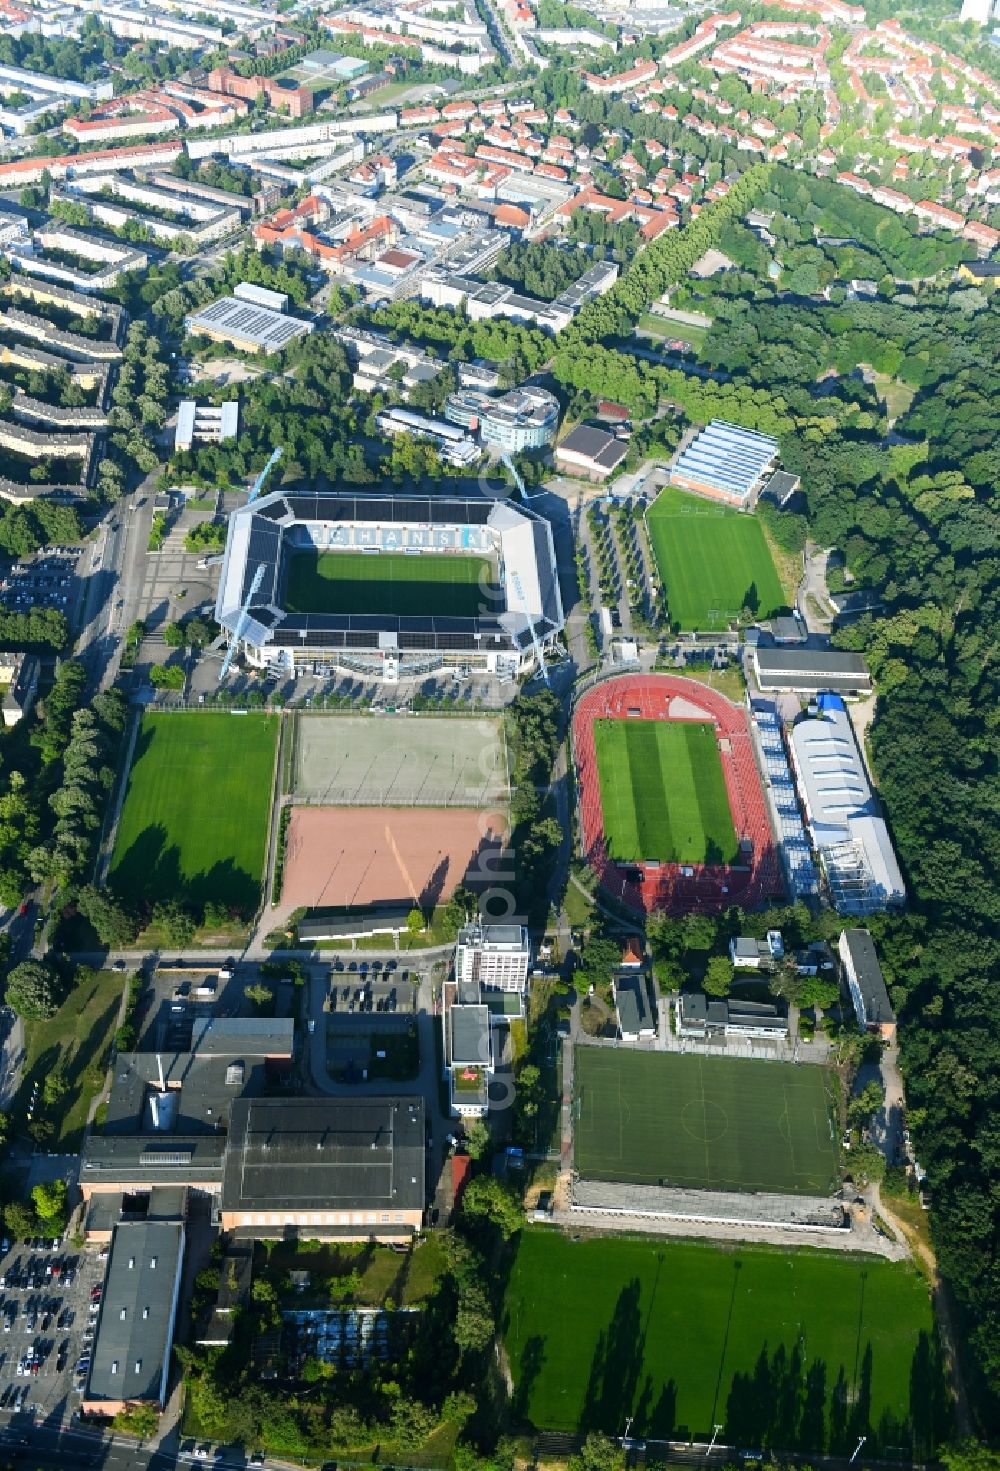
[(666, 886)]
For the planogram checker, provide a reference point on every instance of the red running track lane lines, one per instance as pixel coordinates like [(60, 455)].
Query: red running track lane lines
[(710, 886)]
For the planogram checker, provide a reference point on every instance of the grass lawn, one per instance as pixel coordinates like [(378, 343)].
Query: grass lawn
[(194, 823), (703, 1122), (77, 1040), (792, 1350), (651, 324), (409, 1279), (400, 583), (663, 793), (713, 561)]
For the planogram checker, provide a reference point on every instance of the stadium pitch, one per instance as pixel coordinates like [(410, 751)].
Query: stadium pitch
[(194, 822), (711, 1123), (663, 794), (399, 584), (792, 1350), (713, 561)]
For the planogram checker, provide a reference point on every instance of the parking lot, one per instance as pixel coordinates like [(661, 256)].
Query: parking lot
[(45, 581), (363, 989), (48, 1314)]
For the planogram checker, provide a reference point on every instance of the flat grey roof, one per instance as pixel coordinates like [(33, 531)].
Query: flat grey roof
[(261, 1036), (632, 1002), (824, 663), (470, 1035), (136, 1322), (325, 1154)]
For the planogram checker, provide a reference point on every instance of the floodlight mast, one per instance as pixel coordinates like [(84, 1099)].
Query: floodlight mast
[(242, 621), (258, 484), (543, 668), (506, 460)]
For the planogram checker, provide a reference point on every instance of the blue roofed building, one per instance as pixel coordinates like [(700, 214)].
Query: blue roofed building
[(727, 463)]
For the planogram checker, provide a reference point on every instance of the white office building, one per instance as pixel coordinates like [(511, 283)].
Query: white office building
[(496, 956)]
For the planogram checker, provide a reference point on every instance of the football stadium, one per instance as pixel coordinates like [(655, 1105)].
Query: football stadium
[(388, 586), (672, 808)]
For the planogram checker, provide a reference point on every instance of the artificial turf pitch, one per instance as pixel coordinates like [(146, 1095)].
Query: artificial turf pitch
[(798, 1349), (402, 584), (663, 794), (713, 561), (702, 1122), (194, 823)]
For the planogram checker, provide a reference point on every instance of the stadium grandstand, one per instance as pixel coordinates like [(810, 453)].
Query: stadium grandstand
[(849, 834), (726, 463), (389, 586)]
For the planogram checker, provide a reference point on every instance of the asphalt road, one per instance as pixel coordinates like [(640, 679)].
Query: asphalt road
[(115, 571)]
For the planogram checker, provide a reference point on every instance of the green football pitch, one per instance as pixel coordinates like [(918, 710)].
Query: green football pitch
[(702, 1122), (194, 824), (663, 794), (794, 1350), (713, 561), (405, 585)]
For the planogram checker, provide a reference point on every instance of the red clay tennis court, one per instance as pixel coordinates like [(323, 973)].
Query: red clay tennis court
[(357, 855)]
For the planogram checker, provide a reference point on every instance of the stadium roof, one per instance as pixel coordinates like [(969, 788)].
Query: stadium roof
[(135, 1328), (326, 1154), (261, 532), (726, 459), (846, 826)]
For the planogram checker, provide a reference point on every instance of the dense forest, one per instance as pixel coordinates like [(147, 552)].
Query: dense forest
[(914, 514)]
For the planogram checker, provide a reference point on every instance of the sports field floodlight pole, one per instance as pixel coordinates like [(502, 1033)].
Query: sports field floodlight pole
[(715, 1435), (861, 1441), (258, 484), (518, 588), (242, 622)]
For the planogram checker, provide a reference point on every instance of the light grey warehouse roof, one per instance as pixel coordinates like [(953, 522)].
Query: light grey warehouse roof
[(811, 670), (136, 1323)]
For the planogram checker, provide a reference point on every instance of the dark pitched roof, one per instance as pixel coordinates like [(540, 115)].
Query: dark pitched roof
[(594, 444)]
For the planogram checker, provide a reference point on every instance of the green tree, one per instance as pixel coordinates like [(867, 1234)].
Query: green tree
[(142, 1421), (33, 990), (487, 1199), (260, 995), (174, 636), (718, 975), (474, 1324), (55, 1087), (477, 1138), (114, 923), (867, 1103), (867, 1164), (414, 922), (599, 1453), (51, 1201), (20, 1220), (175, 921)]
